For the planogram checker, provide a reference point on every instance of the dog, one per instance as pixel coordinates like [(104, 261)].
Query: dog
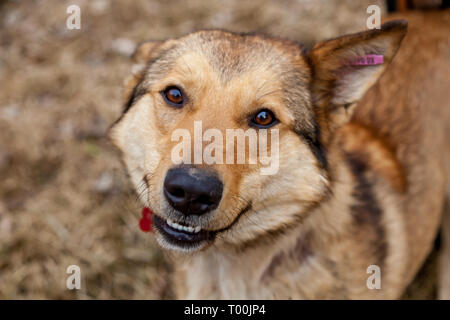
[(359, 192)]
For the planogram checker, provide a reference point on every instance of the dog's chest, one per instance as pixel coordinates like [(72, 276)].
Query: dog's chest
[(215, 276)]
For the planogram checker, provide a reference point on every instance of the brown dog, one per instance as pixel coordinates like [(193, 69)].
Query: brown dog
[(361, 175)]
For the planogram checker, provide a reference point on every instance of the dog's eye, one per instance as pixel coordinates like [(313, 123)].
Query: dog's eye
[(173, 96), (263, 119)]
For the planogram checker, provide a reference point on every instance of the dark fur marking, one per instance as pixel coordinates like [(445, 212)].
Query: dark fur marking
[(137, 92), (316, 147), (367, 212), (300, 252), (313, 141), (302, 248), (438, 240), (274, 263)]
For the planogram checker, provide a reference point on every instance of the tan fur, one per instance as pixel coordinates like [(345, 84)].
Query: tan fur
[(314, 228)]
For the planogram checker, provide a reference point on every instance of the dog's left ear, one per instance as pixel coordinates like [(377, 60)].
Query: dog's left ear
[(345, 68)]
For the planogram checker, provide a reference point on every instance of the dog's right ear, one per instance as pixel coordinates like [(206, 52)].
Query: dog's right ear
[(145, 51), (144, 54)]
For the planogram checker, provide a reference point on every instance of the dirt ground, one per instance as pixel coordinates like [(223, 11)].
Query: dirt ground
[(64, 197)]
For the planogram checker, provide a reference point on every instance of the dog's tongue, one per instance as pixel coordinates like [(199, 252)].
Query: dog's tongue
[(146, 221)]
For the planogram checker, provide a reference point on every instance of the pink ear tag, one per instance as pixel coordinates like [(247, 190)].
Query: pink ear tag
[(368, 60), (146, 221)]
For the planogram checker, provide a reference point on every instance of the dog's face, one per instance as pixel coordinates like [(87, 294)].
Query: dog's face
[(189, 99)]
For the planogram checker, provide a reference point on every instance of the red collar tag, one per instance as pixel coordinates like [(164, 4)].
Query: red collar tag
[(146, 221)]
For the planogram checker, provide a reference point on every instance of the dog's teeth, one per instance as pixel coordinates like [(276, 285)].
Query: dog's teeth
[(183, 228)]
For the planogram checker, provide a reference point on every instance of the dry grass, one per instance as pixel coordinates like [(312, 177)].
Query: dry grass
[(64, 197)]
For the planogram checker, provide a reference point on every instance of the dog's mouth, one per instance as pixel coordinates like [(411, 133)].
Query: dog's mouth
[(188, 237), (182, 235)]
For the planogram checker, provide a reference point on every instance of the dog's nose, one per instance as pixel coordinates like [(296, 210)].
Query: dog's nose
[(192, 191)]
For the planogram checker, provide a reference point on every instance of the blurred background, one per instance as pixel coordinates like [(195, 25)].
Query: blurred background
[(64, 196)]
